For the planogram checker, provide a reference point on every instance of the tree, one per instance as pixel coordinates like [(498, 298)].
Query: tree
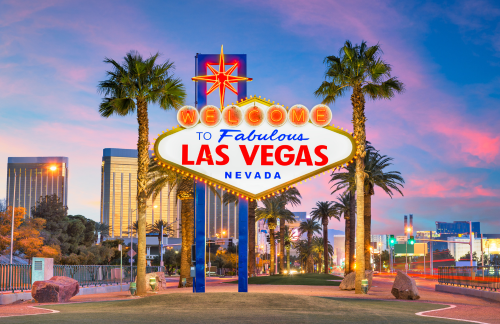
[(310, 227), (291, 196), (161, 227), (466, 257), (129, 88), (54, 212), (375, 175), (343, 207), (385, 260), (321, 250), (252, 206), (273, 210), (361, 69), (323, 211)]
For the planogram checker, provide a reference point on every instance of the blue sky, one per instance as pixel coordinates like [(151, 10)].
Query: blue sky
[(442, 132)]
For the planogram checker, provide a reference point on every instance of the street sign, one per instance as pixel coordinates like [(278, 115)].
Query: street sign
[(131, 253)]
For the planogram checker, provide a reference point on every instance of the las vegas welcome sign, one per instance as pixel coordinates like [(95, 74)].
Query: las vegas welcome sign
[(255, 148)]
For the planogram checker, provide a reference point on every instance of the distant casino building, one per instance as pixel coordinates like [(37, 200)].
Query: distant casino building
[(119, 195), (222, 220), (29, 178)]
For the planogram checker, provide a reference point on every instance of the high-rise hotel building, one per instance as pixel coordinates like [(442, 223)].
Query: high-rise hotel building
[(222, 220), (119, 195), (29, 178)]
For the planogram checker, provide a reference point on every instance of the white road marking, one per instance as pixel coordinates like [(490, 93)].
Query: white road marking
[(450, 307)]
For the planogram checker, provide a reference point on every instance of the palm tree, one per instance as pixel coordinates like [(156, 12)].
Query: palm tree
[(159, 178), (319, 247), (273, 210), (323, 211), (343, 207), (303, 251), (130, 87), (103, 229), (161, 227), (361, 68), (252, 206), (375, 175), (310, 227), (291, 196)]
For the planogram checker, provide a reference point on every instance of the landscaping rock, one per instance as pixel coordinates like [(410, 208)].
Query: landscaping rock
[(404, 287), (56, 290), (161, 284), (349, 281)]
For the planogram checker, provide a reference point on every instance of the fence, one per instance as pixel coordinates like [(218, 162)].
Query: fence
[(15, 277), (487, 277), (18, 277)]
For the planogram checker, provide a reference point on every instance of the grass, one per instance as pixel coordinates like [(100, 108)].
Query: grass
[(303, 279), (235, 308)]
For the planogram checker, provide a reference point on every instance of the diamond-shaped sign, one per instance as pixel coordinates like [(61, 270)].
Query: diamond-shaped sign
[(254, 161)]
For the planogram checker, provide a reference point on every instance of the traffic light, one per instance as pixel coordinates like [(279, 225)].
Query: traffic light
[(392, 240), (412, 240), (268, 239)]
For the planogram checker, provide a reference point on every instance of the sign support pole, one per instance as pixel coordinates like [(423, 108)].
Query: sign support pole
[(243, 246), (200, 239)]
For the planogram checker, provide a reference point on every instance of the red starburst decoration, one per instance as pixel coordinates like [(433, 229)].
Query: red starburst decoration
[(221, 79)]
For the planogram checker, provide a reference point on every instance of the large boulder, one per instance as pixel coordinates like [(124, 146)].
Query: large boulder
[(404, 287), (349, 281), (56, 290), (161, 284)]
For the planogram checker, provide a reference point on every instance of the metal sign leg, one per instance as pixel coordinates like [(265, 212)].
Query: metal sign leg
[(243, 246), (200, 239)]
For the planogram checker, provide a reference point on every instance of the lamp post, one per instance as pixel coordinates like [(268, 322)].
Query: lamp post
[(12, 225)]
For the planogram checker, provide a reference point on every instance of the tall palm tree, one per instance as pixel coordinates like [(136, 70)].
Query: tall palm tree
[(273, 210), (360, 68), (310, 227), (129, 88), (159, 178), (344, 208), (252, 206), (303, 251), (375, 175), (323, 211), (102, 229), (291, 196)]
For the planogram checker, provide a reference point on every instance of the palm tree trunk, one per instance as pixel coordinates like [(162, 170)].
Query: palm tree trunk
[(282, 246), (142, 169), (352, 242), (347, 244), (368, 221), (288, 260), (358, 120), (273, 248), (252, 205), (325, 245), (186, 195), (309, 262)]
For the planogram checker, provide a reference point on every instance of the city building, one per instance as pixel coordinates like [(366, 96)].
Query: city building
[(339, 249), (458, 227), (222, 221), (29, 178), (379, 242), (119, 195), (458, 250)]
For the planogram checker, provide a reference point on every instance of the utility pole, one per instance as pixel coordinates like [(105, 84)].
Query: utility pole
[(161, 246), (12, 225), (470, 238), (432, 254)]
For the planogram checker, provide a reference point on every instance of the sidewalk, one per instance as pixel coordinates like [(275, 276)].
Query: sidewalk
[(468, 308)]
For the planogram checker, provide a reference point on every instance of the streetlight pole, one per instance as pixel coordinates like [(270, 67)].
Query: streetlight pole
[(161, 246), (12, 225)]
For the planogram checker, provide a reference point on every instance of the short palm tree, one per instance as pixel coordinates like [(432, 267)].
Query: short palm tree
[(360, 68), (310, 227), (252, 206), (130, 88), (375, 175), (159, 227), (343, 205), (102, 229), (323, 212), (292, 197), (273, 210), (320, 247), (303, 251)]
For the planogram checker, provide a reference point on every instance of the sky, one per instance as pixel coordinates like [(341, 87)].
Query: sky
[(442, 131)]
